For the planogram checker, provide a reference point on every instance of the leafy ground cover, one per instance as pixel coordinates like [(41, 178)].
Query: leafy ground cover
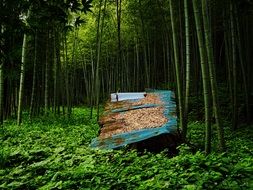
[(54, 153)]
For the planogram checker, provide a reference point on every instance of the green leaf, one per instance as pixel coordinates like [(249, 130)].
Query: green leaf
[(86, 6)]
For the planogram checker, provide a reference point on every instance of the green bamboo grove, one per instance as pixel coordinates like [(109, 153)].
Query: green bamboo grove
[(56, 55)]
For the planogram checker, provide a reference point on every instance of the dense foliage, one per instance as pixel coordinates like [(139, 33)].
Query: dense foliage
[(53, 153)]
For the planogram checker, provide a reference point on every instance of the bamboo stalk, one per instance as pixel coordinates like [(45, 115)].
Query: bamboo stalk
[(205, 80), (212, 75), (177, 67)]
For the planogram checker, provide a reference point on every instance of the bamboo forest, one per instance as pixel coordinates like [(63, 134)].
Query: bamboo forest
[(126, 94)]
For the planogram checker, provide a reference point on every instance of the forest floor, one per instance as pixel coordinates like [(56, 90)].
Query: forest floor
[(53, 153)]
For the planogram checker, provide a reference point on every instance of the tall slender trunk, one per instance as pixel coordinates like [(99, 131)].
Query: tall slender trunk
[(234, 68), (95, 87), (2, 81), (145, 48), (228, 56), (177, 66), (118, 14), (153, 79), (247, 44), (187, 53), (59, 72), (69, 79), (137, 66), (168, 62), (31, 112), (128, 72), (97, 79), (242, 62), (46, 77), (1, 91), (181, 54), (204, 70), (92, 88), (86, 80), (66, 74), (55, 73), (22, 77), (99, 42), (212, 75), (164, 61)]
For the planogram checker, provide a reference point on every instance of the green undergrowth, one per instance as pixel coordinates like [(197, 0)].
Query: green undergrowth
[(53, 153)]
